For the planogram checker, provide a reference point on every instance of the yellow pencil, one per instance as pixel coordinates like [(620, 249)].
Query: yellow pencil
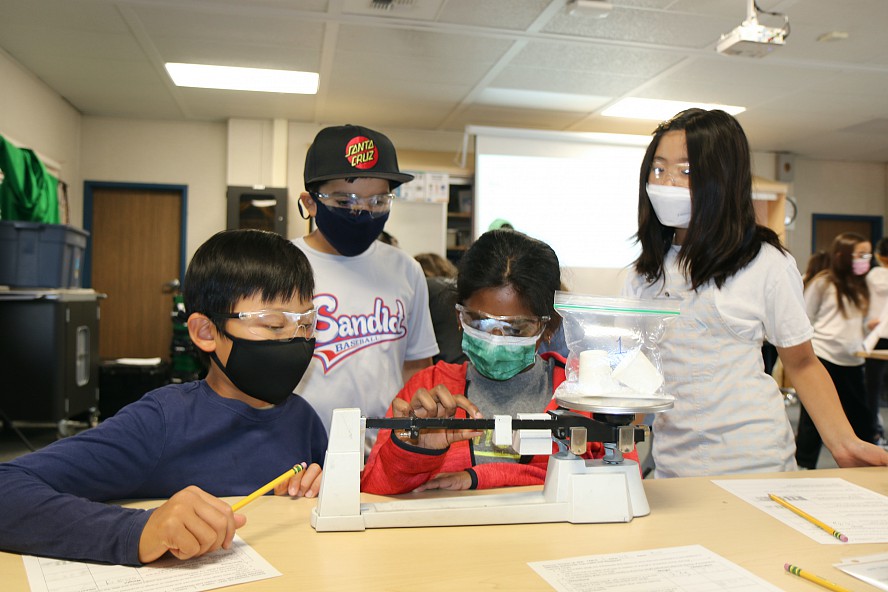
[(809, 518), (295, 470), (793, 569)]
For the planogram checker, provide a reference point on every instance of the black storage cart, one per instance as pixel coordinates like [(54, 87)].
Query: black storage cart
[(49, 356), (121, 383)]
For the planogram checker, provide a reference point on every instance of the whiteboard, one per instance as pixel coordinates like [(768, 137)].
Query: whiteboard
[(578, 192)]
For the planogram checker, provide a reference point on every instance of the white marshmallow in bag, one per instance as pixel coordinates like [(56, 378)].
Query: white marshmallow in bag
[(595, 377), (638, 373)]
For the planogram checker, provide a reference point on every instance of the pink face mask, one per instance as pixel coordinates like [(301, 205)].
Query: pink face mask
[(860, 266)]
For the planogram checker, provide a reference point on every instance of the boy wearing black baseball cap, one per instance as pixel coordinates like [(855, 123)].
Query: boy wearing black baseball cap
[(374, 327)]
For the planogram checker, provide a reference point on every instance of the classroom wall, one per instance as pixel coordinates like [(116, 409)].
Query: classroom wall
[(166, 152), (833, 187)]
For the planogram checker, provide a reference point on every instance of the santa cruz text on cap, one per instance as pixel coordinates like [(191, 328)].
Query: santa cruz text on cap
[(348, 151)]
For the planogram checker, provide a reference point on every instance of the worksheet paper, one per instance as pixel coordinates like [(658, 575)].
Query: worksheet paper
[(237, 565), (677, 569), (856, 512), (872, 569)]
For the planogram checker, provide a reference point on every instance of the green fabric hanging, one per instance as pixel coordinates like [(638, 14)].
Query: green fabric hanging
[(28, 191)]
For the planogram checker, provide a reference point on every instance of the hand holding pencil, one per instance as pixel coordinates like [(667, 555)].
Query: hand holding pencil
[(294, 470), (306, 485)]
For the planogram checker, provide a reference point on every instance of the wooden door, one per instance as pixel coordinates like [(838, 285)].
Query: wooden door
[(136, 251)]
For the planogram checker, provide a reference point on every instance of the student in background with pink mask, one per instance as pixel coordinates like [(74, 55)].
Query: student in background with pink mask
[(837, 301), (737, 286)]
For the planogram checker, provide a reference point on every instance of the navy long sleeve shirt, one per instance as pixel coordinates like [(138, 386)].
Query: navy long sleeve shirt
[(176, 436)]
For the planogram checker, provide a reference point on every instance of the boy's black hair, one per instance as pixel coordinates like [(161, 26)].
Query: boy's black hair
[(236, 264), (510, 258)]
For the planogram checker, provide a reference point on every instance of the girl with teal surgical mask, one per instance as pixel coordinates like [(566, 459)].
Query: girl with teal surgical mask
[(500, 347), (496, 356), (505, 294)]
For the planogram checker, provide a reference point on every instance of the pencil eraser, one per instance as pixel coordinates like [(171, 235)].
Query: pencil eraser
[(843, 538)]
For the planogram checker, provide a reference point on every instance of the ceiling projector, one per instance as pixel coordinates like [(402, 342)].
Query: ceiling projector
[(751, 40)]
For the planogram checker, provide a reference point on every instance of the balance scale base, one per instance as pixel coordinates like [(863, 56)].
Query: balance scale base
[(576, 490)]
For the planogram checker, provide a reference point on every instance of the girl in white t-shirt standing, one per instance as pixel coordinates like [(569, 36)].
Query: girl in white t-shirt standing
[(837, 301), (737, 286)]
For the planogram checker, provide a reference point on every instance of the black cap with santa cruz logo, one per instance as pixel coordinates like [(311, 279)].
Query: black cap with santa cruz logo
[(348, 151)]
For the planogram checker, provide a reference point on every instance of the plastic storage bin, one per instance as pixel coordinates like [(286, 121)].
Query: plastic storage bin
[(36, 255)]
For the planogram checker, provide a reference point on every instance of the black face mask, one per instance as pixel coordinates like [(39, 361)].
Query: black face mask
[(349, 233), (267, 370)]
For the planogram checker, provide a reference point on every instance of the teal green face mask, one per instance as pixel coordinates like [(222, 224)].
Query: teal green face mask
[(496, 356)]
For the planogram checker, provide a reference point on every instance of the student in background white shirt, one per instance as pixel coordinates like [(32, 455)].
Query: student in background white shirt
[(837, 300)]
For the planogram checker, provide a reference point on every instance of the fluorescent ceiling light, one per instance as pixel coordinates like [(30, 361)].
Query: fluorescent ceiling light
[(253, 79), (659, 110), (540, 99)]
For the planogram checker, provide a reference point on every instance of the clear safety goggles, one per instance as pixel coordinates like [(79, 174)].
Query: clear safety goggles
[(275, 324), (679, 174), (376, 205), (502, 325)]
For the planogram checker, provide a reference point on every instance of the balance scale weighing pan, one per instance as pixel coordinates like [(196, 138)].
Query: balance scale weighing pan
[(614, 405)]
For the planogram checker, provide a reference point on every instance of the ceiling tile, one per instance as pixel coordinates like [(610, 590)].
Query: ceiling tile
[(421, 68), (655, 27), (500, 14)]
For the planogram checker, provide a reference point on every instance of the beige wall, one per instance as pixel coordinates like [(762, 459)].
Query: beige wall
[(180, 153), (832, 187)]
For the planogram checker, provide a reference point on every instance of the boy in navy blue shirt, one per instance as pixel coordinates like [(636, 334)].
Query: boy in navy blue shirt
[(248, 296)]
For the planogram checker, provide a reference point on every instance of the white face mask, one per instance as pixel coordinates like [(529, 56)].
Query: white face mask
[(672, 204)]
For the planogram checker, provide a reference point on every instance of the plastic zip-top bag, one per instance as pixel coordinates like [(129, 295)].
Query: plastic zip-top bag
[(614, 346)]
